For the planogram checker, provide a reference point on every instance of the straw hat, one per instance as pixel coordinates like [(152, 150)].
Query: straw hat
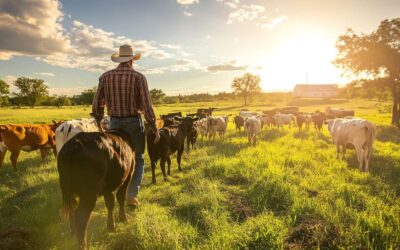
[(125, 54)]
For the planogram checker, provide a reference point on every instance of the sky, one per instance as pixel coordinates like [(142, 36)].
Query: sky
[(187, 46)]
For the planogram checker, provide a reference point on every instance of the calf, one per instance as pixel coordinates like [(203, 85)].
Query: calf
[(239, 122), (283, 119), (192, 137), (69, 129), (172, 139), (216, 124), (201, 126), (89, 165), (300, 120), (357, 132), (318, 119), (27, 138), (252, 126)]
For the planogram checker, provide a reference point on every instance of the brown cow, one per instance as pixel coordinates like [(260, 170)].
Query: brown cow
[(26, 137)]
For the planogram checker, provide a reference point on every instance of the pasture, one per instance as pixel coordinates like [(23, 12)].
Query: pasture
[(288, 192)]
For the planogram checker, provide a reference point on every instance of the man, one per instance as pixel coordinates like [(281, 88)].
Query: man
[(125, 93)]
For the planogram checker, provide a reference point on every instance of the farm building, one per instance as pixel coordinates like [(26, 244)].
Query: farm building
[(315, 91)]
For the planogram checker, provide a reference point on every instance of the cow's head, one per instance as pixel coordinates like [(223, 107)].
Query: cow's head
[(187, 122), (55, 125)]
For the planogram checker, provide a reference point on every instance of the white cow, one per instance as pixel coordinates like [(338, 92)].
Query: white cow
[(216, 124), (252, 126), (284, 119), (246, 114), (356, 132), (69, 129), (202, 127)]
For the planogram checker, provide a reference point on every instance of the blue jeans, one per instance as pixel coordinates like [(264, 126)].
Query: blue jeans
[(134, 127)]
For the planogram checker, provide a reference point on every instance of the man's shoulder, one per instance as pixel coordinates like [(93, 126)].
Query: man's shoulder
[(129, 71)]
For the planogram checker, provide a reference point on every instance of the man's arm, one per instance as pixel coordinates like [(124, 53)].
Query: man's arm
[(146, 103), (97, 106)]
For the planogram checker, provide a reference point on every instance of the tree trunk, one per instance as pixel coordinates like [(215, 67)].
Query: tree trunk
[(396, 107)]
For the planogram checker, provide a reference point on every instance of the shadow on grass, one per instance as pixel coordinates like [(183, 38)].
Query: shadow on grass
[(272, 134), (388, 134)]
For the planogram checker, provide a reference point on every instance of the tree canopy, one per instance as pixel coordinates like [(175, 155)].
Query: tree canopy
[(246, 86), (374, 59), (31, 90)]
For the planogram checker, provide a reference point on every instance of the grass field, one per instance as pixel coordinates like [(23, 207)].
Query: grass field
[(287, 192)]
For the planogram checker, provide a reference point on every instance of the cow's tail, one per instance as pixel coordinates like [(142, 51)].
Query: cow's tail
[(65, 171), (370, 136)]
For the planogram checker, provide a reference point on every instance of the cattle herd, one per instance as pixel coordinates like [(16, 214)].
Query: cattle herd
[(92, 162)]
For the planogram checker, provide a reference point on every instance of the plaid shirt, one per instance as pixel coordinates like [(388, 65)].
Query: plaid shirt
[(125, 93)]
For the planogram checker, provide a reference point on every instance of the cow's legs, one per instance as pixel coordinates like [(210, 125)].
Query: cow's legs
[(110, 201), (360, 156), (153, 172), (13, 158), (169, 165), (179, 157), (43, 154), (2, 155), (367, 156), (162, 164), (82, 215), (121, 194)]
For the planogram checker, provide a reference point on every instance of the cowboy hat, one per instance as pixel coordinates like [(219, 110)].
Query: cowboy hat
[(125, 54)]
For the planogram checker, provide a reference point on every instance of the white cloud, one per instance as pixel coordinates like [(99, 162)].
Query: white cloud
[(44, 73), (246, 13), (231, 4), (275, 22), (227, 66), (31, 28), (187, 2), (187, 13), (171, 46)]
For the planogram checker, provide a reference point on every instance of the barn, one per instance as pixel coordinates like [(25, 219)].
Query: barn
[(315, 91)]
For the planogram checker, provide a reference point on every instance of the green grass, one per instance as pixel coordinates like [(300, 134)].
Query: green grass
[(287, 192)]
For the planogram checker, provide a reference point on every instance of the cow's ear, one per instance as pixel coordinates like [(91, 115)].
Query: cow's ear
[(54, 122), (177, 118)]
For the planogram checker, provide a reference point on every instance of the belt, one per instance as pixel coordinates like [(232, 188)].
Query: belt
[(122, 117)]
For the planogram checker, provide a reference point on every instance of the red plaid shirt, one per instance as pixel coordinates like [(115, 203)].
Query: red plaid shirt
[(125, 93)]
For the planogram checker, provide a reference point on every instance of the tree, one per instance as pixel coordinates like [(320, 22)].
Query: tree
[(86, 97), (374, 59), (31, 90), (247, 86), (4, 91), (157, 96), (62, 100)]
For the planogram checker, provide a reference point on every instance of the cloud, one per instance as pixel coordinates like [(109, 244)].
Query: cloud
[(171, 46), (187, 2), (187, 13), (227, 66), (44, 74), (31, 28), (245, 13), (274, 22), (231, 4)]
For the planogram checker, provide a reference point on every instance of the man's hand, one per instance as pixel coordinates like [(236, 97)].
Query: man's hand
[(157, 134)]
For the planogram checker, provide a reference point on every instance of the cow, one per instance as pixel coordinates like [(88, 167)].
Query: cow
[(172, 139), (201, 126), (267, 121), (359, 133), (245, 114), (204, 113), (252, 126), (192, 137), (239, 122), (318, 119), (300, 120), (307, 119), (169, 119), (89, 165), (333, 113), (216, 124), (26, 137), (283, 119)]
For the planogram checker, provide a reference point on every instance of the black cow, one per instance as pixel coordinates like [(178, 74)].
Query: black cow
[(172, 139), (169, 118), (89, 165)]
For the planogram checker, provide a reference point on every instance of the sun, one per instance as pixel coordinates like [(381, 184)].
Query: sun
[(299, 59)]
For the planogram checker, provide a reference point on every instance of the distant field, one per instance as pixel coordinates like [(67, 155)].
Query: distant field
[(287, 192)]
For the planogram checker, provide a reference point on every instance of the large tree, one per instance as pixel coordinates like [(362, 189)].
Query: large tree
[(31, 90), (374, 58), (246, 86), (157, 96)]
